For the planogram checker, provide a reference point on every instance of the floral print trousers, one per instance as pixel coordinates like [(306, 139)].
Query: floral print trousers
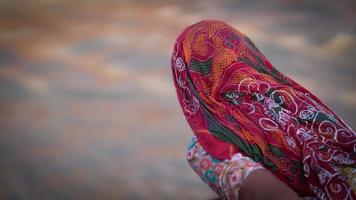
[(224, 177)]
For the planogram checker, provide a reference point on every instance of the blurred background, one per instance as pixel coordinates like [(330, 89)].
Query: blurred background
[(88, 108)]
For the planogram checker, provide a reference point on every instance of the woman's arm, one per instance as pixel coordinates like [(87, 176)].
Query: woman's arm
[(263, 185)]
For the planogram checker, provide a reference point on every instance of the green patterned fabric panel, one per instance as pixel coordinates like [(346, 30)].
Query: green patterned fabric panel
[(202, 67)]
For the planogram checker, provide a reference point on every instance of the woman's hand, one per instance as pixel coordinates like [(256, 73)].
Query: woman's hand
[(263, 185)]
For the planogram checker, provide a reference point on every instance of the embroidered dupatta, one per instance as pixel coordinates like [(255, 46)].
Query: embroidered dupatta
[(235, 100)]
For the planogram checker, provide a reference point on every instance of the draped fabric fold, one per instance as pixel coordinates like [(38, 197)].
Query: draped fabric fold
[(235, 100)]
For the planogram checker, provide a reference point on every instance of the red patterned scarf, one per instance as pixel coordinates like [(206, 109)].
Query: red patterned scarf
[(236, 101)]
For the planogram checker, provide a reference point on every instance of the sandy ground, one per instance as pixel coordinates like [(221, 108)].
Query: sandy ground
[(88, 108)]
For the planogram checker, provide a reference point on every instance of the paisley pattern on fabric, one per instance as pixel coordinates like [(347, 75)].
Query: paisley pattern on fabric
[(235, 100), (225, 177)]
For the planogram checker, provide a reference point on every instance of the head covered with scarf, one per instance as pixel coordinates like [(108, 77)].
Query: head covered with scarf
[(235, 100)]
